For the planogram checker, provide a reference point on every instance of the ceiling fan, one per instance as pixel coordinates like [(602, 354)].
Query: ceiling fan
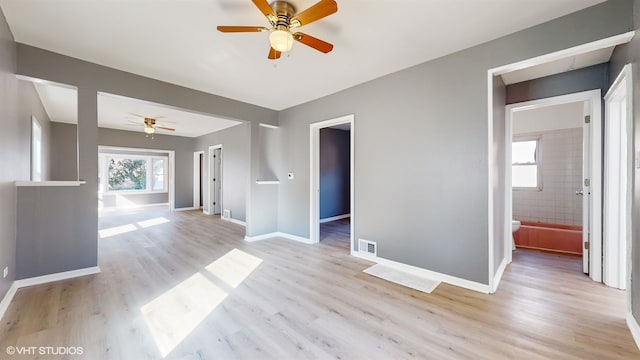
[(283, 18), (150, 125)]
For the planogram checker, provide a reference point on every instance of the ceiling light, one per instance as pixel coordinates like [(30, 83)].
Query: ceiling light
[(281, 40), (149, 130)]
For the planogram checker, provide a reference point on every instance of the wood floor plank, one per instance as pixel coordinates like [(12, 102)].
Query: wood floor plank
[(304, 302)]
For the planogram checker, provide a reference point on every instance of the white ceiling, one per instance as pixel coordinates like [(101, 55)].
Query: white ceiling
[(548, 118), (177, 41), (559, 66), (117, 112), (60, 102)]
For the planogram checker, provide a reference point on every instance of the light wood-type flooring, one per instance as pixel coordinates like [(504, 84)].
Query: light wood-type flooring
[(186, 286)]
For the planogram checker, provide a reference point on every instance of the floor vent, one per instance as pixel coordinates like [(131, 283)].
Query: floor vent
[(368, 247), (226, 213)]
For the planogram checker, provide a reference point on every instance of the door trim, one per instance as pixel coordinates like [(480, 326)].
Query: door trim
[(314, 178), (207, 208), (620, 278), (197, 176), (491, 165), (593, 97)]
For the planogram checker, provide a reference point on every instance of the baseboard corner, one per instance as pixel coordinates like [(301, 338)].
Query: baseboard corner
[(498, 275), (8, 297), (634, 327)]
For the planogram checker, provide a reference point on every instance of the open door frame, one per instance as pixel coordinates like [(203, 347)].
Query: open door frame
[(314, 190), (207, 208), (593, 108), (618, 177), (197, 178)]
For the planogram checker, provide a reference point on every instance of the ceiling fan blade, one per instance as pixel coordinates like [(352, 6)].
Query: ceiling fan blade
[(315, 43), (274, 54), (266, 9), (242, 28), (165, 128), (316, 12)]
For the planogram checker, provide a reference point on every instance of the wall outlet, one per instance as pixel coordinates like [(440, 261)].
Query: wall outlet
[(5, 272), (290, 176)]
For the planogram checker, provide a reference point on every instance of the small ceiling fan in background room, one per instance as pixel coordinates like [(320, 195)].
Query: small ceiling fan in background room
[(150, 125), (283, 18)]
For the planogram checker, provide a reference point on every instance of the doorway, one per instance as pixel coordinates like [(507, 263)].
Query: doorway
[(198, 179), (617, 181), (571, 122), (332, 180), (214, 203)]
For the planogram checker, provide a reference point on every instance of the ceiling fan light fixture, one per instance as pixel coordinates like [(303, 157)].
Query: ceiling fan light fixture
[(149, 130), (281, 40)]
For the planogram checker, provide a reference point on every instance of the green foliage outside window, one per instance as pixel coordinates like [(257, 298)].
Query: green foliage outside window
[(127, 174)]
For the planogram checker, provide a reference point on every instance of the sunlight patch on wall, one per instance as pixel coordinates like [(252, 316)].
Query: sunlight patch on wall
[(234, 267), (176, 313)]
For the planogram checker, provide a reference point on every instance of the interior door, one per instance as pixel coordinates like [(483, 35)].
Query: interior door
[(586, 191), (217, 181)]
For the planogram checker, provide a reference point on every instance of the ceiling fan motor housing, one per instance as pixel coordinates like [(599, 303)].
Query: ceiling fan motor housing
[(285, 11)]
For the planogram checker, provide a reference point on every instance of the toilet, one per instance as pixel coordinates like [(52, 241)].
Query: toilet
[(515, 226)]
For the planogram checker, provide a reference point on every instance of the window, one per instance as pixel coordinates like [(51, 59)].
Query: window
[(136, 173), (36, 150), (525, 161)]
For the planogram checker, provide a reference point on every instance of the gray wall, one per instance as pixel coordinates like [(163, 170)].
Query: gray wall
[(64, 152), (236, 151), (40, 212), (90, 79), (30, 105), (14, 156), (589, 78), (431, 120), (622, 55), (262, 213), (18, 102), (183, 147), (499, 171), (335, 179)]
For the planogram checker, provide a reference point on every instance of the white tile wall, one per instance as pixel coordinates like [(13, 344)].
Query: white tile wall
[(557, 203)]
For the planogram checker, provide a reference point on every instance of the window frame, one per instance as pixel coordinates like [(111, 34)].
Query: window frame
[(537, 163), (148, 159), (36, 153)]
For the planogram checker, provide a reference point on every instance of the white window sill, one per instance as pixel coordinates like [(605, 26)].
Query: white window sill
[(267, 182), (50, 183), (134, 192)]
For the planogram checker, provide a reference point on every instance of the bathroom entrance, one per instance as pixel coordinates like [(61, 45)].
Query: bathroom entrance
[(552, 145)]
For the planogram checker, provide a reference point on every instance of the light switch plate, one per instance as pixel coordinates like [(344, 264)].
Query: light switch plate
[(290, 176), (5, 272)]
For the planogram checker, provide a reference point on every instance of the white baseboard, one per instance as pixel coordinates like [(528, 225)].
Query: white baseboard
[(206, 212), (334, 218), (4, 304), (634, 328), (432, 275), (56, 277), (278, 234), (235, 221), (185, 209), (498, 276)]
